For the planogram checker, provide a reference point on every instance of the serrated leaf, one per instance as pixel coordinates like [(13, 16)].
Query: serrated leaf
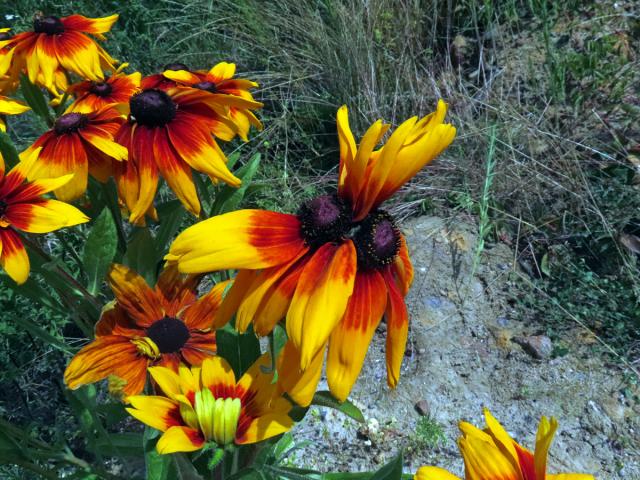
[(99, 250), (229, 198), (325, 399)]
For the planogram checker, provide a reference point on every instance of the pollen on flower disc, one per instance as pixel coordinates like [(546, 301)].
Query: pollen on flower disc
[(324, 219), (169, 334), (50, 25), (102, 89), (70, 122), (208, 86), (377, 240), (152, 108)]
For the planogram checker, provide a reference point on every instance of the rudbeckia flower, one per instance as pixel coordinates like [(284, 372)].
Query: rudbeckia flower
[(22, 207), (334, 269), (220, 80), (202, 405), (115, 89), (10, 107), (170, 133), (82, 144), (160, 81), (57, 45), (491, 453), (162, 326)]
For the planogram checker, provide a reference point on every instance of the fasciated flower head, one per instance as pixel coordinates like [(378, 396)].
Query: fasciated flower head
[(22, 207), (334, 269), (114, 89), (491, 453), (162, 326), (169, 133), (10, 107), (82, 144), (59, 44), (202, 405)]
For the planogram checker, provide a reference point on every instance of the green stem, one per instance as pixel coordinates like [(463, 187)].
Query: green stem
[(112, 203)]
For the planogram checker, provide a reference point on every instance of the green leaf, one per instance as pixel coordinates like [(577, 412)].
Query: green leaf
[(229, 198), (121, 445), (158, 467), (35, 99), (32, 290), (250, 474), (142, 255), (8, 151), (325, 399), (391, 471), (99, 250), (171, 215), (240, 350), (184, 468)]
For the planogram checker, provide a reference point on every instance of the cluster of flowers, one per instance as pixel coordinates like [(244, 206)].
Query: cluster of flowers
[(331, 272)]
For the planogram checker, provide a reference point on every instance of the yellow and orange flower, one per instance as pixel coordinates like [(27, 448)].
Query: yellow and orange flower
[(170, 133), (219, 79), (10, 78), (22, 207), (163, 326), (206, 404), (82, 144), (334, 269), (10, 107), (491, 453), (56, 45), (115, 89)]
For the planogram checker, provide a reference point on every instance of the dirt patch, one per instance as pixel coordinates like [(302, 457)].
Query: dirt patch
[(462, 357)]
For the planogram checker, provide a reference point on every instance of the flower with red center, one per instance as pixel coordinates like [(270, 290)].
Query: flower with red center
[(169, 133), (82, 144), (219, 80), (117, 89), (163, 326), (60, 44), (202, 405), (22, 207), (10, 107), (334, 269), (491, 453)]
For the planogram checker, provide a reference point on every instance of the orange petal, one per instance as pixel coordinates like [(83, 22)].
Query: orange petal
[(108, 355), (13, 256), (180, 439), (200, 315), (300, 385), (134, 295), (397, 330), (242, 239), (351, 338), (321, 297)]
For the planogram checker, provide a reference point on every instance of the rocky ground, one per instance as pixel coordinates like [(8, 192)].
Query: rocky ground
[(468, 350)]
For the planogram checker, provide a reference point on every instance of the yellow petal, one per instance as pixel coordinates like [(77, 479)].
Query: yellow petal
[(167, 380), (157, 412), (179, 439), (265, 427), (433, 473), (216, 372)]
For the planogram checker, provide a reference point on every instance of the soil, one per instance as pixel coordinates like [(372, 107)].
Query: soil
[(466, 352)]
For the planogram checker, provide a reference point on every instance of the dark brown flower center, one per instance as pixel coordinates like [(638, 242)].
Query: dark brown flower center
[(152, 108), (175, 66), (169, 334), (70, 122), (377, 240), (50, 25), (208, 86), (102, 89), (5, 36), (324, 219), (3, 208)]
